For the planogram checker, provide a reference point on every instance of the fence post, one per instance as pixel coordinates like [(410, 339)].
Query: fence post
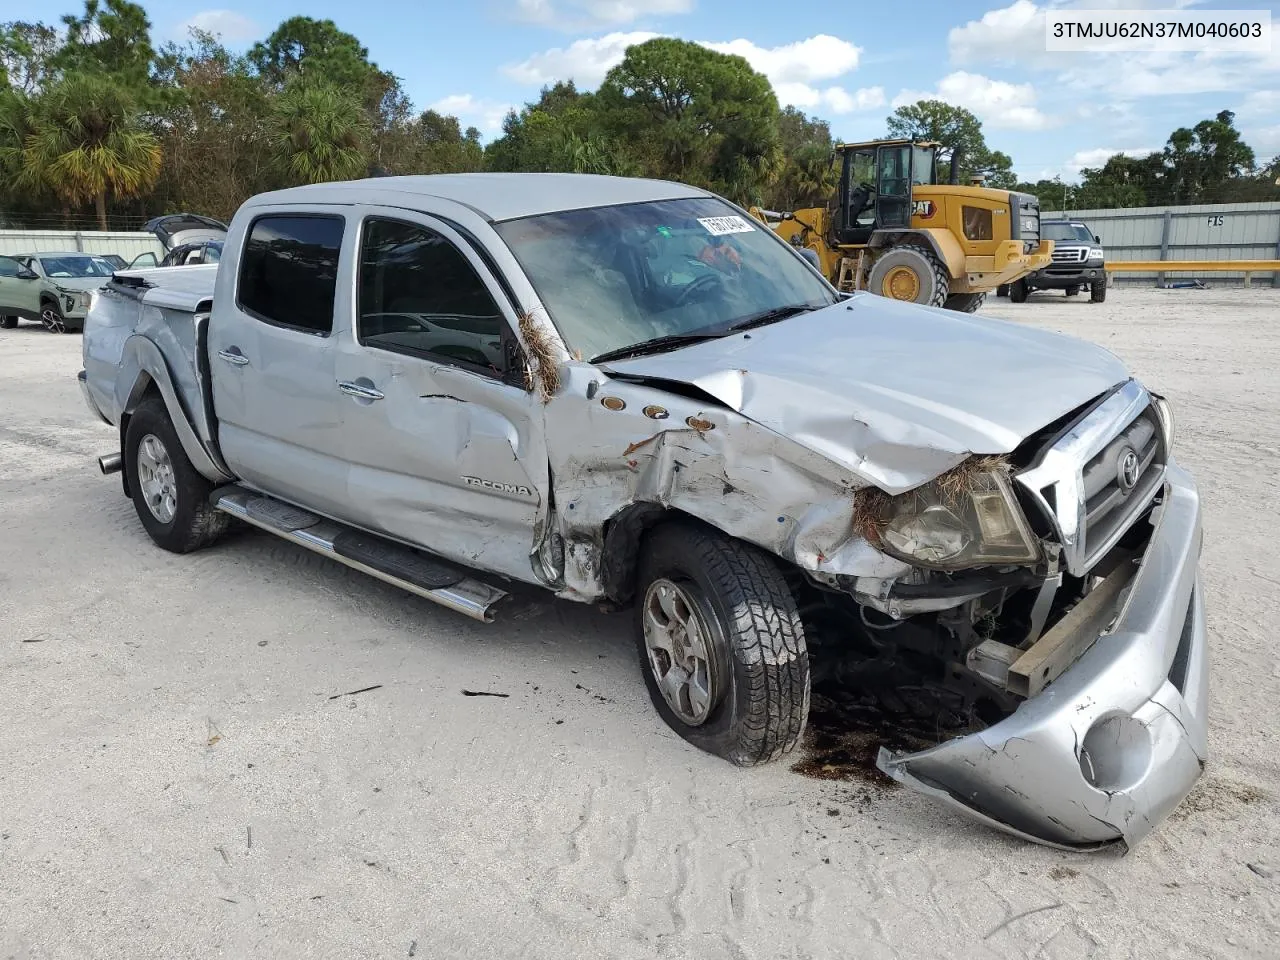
[(79, 242), (1164, 243)]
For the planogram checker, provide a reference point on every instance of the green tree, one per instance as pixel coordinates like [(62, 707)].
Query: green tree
[(86, 144), (112, 37), (809, 176), (318, 50), (27, 51), (955, 128), (318, 133)]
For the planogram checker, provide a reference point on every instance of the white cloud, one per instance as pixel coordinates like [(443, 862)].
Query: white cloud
[(232, 27), (584, 61), (1256, 118), (834, 99), (487, 115), (1098, 156), (821, 57), (577, 15), (997, 103), (999, 35)]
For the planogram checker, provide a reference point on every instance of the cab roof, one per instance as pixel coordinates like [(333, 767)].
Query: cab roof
[(493, 196)]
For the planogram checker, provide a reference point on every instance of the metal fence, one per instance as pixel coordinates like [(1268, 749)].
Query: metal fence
[(1211, 231), (127, 245)]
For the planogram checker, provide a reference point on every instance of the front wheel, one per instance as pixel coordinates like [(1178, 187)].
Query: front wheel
[(721, 645), (1098, 291), (966, 302), (169, 495), (1072, 291), (1018, 291), (51, 317)]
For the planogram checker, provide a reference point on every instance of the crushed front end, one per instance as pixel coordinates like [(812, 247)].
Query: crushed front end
[(1072, 622)]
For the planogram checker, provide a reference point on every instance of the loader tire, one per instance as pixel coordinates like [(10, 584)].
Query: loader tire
[(721, 644), (965, 302), (910, 272)]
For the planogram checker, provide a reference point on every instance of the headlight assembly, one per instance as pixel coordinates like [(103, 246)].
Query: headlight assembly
[(1164, 412), (966, 518), (1096, 253)]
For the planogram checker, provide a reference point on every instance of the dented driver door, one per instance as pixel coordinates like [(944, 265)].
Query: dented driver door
[(445, 444)]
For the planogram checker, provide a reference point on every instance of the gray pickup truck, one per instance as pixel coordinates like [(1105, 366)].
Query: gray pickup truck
[(628, 392)]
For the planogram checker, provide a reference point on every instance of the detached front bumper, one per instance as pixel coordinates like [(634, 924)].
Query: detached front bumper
[(1111, 747)]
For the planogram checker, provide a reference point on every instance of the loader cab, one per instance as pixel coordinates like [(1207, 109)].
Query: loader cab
[(876, 181)]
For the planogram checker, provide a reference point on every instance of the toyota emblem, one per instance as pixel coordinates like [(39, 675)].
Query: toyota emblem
[(1127, 470)]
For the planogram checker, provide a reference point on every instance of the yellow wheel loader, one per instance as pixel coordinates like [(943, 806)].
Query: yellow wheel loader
[(895, 231)]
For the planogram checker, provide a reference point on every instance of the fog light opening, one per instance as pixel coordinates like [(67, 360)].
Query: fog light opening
[(1115, 754)]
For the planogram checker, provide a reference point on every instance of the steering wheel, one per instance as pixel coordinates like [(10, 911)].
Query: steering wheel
[(697, 283)]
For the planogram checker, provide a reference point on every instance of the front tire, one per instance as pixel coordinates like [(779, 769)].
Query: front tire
[(1018, 291), (910, 272), (1002, 290), (171, 498), (51, 317), (1072, 291), (721, 644), (1098, 291), (966, 302)]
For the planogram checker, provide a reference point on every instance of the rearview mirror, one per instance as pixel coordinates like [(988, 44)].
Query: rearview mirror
[(26, 273)]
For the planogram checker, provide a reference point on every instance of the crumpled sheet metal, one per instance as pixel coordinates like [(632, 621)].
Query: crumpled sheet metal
[(1119, 704), (740, 477)]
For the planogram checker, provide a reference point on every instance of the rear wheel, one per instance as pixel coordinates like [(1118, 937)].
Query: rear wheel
[(169, 495), (910, 272), (8, 323), (1098, 291), (966, 302), (1018, 291), (721, 644)]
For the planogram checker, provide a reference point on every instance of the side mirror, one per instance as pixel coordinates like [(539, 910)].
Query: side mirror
[(1096, 238), (26, 273)]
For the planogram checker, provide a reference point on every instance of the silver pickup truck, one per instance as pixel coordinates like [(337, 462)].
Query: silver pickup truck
[(628, 392)]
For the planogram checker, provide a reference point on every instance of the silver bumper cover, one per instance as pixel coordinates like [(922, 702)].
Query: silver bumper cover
[(1112, 746)]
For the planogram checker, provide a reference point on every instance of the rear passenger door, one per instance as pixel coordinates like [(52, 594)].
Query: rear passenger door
[(445, 442), (273, 356)]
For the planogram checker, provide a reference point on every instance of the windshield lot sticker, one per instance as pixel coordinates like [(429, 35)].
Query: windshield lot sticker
[(721, 226)]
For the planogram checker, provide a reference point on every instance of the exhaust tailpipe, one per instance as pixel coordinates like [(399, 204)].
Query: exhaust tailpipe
[(111, 463)]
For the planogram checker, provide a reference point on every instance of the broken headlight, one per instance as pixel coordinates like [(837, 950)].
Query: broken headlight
[(963, 519)]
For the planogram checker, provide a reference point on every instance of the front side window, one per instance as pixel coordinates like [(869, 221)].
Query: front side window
[(419, 295), (922, 165), (895, 171), (614, 277), (289, 271), (66, 268)]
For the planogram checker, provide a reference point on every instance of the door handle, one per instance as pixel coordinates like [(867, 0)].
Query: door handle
[(360, 391), (234, 356)]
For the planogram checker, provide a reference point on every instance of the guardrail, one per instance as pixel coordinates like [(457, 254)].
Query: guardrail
[(1247, 267)]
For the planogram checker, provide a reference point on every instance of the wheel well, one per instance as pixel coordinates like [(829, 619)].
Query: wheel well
[(47, 298), (143, 390), (624, 535)]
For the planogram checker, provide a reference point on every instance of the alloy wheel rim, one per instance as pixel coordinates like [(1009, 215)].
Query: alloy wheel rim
[(156, 479), (678, 643), (53, 321)]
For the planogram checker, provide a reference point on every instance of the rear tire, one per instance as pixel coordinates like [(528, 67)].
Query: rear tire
[(8, 323), (1018, 291), (910, 272), (966, 302), (169, 495), (1098, 291), (717, 628)]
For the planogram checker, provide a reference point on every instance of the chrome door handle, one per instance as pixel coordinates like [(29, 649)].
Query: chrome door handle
[(360, 391), (236, 357)]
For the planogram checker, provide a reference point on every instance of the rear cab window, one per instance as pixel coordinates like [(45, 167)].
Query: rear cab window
[(289, 271)]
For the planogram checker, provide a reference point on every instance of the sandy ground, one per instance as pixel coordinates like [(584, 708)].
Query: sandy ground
[(178, 780)]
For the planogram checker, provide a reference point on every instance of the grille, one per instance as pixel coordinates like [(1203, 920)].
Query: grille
[(1120, 479), (1071, 255)]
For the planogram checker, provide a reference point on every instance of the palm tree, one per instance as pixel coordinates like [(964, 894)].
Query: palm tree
[(85, 143), (318, 133)]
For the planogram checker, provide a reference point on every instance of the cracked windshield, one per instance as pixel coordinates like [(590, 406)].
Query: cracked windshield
[(614, 278)]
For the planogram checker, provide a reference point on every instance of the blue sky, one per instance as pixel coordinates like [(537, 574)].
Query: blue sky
[(1052, 112)]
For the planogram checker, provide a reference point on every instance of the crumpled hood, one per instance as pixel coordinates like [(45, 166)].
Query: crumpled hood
[(895, 392)]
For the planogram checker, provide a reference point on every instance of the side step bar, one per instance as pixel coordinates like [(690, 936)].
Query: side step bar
[(412, 570)]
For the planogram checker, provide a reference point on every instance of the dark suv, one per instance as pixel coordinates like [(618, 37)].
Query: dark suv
[(1078, 261)]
